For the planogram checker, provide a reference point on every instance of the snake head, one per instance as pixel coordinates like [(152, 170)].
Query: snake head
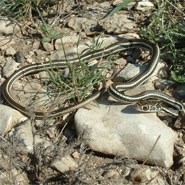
[(148, 106), (151, 106)]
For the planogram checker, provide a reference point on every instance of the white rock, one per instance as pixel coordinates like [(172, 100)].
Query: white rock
[(1, 82), (118, 24), (89, 25), (80, 24), (2, 61), (48, 47), (58, 44), (36, 44), (131, 70), (147, 175), (144, 5), (5, 42), (25, 135), (66, 163), (122, 131), (10, 51), (29, 60), (40, 53), (117, 2), (104, 5), (128, 6), (9, 67), (76, 23), (66, 40), (8, 26), (82, 47), (9, 118), (76, 155)]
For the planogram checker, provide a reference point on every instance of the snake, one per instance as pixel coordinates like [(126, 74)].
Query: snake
[(116, 89), (155, 106)]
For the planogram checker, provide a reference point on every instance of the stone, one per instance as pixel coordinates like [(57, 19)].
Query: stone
[(9, 118), (128, 7), (5, 42), (29, 60), (81, 48), (147, 175), (19, 57), (120, 130), (36, 44), (180, 124), (131, 70), (83, 24), (104, 5), (64, 164), (89, 26), (25, 136), (76, 155), (10, 51), (118, 24), (40, 53), (144, 5), (180, 91), (1, 82), (163, 84), (9, 67), (2, 61), (48, 47), (76, 23), (7, 26), (58, 44), (73, 39)]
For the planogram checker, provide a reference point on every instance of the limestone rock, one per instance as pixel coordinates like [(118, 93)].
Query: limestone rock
[(122, 131), (9, 118)]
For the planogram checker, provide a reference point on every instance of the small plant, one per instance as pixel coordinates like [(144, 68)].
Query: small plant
[(77, 84), (49, 33), (24, 8), (95, 44), (167, 28), (33, 10), (81, 79)]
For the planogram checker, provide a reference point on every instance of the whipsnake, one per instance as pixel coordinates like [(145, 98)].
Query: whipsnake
[(116, 89)]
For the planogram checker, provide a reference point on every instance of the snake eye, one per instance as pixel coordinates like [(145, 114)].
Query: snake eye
[(145, 107)]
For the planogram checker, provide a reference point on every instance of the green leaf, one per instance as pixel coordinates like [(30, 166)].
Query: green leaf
[(50, 32), (180, 79), (119, 7)]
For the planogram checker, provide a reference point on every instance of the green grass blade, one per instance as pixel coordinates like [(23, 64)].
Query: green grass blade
[(119, 7)]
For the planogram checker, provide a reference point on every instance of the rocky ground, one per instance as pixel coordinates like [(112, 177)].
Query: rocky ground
[(105, 142)]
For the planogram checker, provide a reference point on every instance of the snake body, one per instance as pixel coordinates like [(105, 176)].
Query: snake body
[(116, 89)]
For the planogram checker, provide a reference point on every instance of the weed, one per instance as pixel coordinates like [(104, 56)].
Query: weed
[(81, 78), (167, 28), (49, 33), (23, 8)]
